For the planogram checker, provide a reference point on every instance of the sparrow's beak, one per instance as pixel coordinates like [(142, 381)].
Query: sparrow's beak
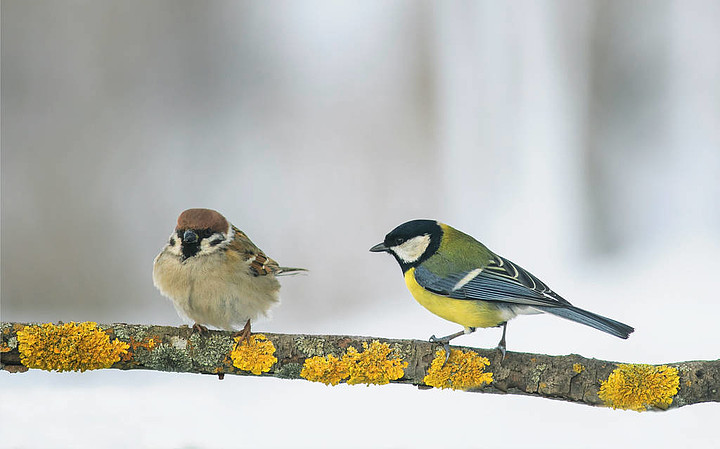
[(190, 236), (379, 248)]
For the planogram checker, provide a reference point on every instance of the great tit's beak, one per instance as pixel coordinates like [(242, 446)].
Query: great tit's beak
[(190, 236), (379, 248)]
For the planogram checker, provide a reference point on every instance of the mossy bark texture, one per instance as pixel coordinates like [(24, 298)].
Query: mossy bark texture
[(570, 378)]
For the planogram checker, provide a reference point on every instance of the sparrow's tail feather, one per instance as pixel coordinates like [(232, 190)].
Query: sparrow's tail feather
[(285, 271), (599, 322)]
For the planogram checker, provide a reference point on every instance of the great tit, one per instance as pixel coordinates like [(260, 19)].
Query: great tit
[(458, 278)]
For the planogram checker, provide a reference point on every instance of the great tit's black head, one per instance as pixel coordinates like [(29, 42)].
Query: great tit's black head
[(411, 243), (200, 231)]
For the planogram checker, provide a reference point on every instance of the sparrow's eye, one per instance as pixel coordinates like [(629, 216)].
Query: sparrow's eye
[(399, 241), (204, 233)]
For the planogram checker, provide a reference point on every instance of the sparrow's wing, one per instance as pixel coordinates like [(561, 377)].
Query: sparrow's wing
[(500, 280), (261, 265), (258, 263)]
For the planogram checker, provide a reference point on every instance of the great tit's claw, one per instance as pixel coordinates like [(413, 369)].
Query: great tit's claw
[(501, 344), (445, 342)]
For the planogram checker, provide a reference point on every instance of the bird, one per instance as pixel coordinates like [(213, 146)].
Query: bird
[(459, 279), (215, 275)]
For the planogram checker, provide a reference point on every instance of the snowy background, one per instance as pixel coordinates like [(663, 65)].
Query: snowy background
[(580, 139)]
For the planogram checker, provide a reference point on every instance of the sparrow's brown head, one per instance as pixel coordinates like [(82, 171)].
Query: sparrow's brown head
[(201, 231), (199, 219)]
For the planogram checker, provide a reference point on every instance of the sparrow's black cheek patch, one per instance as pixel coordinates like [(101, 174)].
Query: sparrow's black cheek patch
[(215, 242), (190, 250), (172, 241)]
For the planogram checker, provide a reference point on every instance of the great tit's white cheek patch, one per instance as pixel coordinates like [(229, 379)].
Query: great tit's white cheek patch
[(413, 249)]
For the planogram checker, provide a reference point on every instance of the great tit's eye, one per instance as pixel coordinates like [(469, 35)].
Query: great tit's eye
[(399, 241)]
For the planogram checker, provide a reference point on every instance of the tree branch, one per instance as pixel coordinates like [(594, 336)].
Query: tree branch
[(570, 378)]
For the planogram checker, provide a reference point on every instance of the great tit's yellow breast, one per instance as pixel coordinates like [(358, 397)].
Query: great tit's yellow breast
[(466, 312)]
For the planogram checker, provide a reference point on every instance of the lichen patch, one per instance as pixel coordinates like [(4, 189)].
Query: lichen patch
[(68, 347), (640, 387), (463, 370), (373, 366)]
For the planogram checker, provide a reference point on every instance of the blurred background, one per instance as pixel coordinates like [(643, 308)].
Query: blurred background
[(580, 139)]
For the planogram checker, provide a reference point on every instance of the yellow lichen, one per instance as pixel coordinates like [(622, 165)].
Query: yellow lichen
[(148, 343), (256, 357), (329, 371), (462, 371), (578, 368), (371, 366), (638, 387), (68, 347)]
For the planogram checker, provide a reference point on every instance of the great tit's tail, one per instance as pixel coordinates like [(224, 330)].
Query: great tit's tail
[(599, 322), (285, 271)]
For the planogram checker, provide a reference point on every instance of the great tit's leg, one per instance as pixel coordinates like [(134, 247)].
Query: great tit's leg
[(199, 328), (244, 334), (501, 345), (445, 341)]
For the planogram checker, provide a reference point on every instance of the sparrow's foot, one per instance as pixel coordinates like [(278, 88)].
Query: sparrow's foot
[(199, 328), (244, 334)]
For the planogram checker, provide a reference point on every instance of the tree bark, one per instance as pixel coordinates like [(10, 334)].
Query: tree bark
[(572, 378)]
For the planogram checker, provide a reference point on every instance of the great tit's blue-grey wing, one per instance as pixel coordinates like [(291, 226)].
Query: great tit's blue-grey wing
[(503, 281), (500, 280)]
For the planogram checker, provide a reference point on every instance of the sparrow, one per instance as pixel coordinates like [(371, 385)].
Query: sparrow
[(215, 275), (459, 279)]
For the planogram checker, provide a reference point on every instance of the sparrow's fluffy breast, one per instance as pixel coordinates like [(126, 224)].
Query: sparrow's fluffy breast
[(220, 285)]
